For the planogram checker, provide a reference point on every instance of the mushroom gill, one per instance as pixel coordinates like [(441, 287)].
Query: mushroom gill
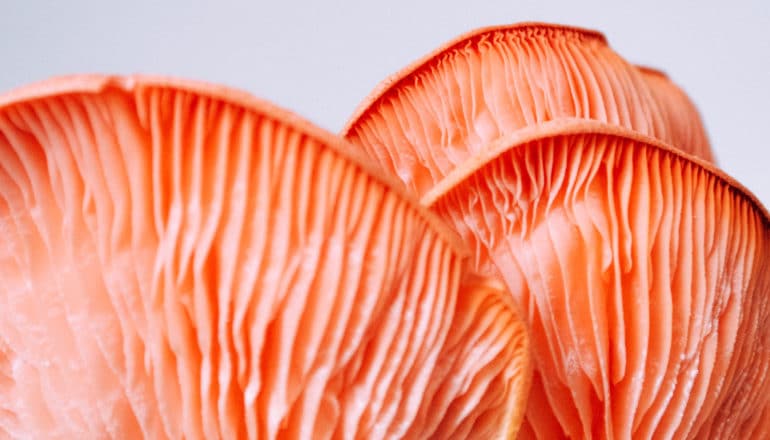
[(677, 108), (426, 120), (181, 260), (586, 183), (644, 276)]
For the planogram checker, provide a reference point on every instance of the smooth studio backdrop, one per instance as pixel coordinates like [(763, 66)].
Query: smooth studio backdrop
[(321, 58)]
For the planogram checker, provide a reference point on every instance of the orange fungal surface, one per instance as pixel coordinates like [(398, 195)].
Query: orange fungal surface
[(180, 260), (687, 130), (428, 119), (588, 185), (644, 276)]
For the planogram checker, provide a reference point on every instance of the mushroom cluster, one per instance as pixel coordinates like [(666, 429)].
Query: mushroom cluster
[(519, 235), (588, 185)]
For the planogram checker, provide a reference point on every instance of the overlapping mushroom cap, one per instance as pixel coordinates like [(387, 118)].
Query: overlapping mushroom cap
[(644, 276), (434, 115), (686, 130), (181, 260), (641, 269)]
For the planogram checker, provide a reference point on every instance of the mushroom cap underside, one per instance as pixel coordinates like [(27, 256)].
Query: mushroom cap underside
[(644, 275), (181, 259)]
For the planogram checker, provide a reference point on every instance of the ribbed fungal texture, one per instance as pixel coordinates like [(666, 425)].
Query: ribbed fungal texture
[(173, 265), (644, 278), (686, 131), (482, 378), (491, 84)]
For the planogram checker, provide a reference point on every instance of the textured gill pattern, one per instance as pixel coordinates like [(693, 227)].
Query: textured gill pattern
[(644, 278), (485, 364), (177, 266), (680, 113), (495, 83)]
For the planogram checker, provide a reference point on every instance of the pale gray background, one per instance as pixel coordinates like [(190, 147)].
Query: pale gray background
[(321, 58)]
